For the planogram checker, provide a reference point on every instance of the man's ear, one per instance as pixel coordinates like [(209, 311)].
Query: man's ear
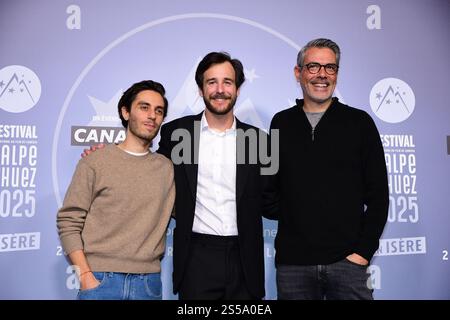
[(297, 73), (200, 92), (125, 113)]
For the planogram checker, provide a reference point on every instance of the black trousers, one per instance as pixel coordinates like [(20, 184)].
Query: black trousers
[(214, 270)]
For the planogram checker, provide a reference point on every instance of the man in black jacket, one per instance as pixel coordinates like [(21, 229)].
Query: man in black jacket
[(218, 242), (332, 185)]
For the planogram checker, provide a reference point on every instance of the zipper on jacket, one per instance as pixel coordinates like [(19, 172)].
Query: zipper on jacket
[(312, 134)]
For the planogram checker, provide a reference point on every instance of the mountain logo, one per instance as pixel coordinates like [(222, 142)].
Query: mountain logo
[(20, 89), (392, 100)]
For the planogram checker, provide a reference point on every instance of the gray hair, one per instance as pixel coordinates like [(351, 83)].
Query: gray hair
[(319, 43)]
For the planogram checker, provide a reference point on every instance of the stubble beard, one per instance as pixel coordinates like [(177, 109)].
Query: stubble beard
[(146, 137), (213, 110)]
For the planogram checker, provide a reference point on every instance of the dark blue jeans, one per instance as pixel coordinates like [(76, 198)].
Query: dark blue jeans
[(124, 286), (343, 280)]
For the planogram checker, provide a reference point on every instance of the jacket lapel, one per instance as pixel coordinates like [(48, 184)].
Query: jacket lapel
[(242, 169), (192, 168)]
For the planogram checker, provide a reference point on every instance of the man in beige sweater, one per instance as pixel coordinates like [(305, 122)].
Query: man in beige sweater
[(116, 210)]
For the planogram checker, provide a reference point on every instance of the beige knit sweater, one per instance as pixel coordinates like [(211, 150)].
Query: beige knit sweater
[(117, 208)]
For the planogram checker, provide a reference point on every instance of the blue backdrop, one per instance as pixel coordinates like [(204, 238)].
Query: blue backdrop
[(64, 64)]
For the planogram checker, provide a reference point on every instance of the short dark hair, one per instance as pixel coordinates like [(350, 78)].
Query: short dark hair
[(130, 94), (216, 58)]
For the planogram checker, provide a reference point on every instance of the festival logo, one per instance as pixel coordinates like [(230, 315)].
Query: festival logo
[(20, 89), (392, 100)]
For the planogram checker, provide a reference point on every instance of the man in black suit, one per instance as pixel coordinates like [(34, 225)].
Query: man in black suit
[(218, 241)]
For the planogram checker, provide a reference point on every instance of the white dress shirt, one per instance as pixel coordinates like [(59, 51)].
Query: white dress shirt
[(215, 205)]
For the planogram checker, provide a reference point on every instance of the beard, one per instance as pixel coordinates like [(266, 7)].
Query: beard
[(143, 134), (220, 112)]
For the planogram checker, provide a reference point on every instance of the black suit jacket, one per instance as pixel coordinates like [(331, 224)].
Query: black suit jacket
[(249, 201)]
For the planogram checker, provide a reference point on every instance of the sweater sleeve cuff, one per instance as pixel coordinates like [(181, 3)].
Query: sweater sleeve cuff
[(71, 243)]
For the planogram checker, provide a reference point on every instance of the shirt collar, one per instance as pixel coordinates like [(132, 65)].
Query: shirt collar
[(204, 126)]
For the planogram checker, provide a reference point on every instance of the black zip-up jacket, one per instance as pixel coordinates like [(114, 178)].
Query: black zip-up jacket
[(332, 186)]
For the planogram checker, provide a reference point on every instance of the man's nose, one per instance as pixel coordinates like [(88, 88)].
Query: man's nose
[(151, 114), (322, 72), (220, 87)]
